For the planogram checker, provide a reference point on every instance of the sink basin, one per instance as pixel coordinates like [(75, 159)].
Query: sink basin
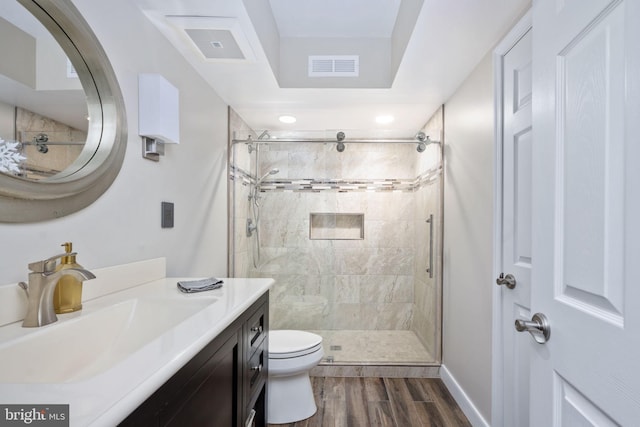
[(79, 348)]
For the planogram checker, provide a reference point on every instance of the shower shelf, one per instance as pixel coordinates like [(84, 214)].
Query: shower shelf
[(336, 226)]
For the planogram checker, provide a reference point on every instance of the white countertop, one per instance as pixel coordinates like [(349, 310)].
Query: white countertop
[(107, 397)]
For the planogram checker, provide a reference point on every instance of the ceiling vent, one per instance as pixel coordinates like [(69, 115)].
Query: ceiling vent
[(334, 66), (214, 38), (215, 44)]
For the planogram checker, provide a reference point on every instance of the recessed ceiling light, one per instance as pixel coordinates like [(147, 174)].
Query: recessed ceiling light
[(287, 119), (384, 120)]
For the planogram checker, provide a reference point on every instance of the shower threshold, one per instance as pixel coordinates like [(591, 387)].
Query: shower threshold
[(374, 347)]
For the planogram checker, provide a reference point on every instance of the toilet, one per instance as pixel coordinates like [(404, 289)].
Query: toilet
[(292, 354)]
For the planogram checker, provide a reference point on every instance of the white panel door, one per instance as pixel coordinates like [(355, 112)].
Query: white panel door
[(586, 212), (516, 227)]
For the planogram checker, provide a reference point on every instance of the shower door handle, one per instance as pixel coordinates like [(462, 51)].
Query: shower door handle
[(430, 268)]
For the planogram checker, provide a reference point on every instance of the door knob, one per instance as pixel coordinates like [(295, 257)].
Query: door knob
[(538, 327), (509, 280)]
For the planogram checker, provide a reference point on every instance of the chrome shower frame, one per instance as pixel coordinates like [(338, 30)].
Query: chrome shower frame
[(421, 139)]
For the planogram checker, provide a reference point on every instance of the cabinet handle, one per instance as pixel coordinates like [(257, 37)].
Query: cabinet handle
[(257, 329), (252, 416), (257, 368)]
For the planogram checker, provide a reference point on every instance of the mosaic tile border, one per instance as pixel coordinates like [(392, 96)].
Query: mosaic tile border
[(313, 185)]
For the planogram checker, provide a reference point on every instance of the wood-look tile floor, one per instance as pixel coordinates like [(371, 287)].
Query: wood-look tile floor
[(384, 402)]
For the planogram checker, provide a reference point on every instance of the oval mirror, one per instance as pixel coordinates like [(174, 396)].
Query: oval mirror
[(62, 120)]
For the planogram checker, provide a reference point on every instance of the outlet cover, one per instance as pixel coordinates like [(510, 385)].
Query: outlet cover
[(167, 215)]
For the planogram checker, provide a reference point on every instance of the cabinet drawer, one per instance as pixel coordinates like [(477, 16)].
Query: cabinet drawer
[(256, 330), (257, 415), (257, 370)]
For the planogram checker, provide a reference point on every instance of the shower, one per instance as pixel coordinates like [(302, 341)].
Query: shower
[(252, 223), (352, 237)]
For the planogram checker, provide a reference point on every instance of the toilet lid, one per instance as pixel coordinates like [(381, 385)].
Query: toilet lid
[(288, 343)]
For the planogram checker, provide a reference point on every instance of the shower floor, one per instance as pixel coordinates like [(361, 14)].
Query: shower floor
[(373, 347)]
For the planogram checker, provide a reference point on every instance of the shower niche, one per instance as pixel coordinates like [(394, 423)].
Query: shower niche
[(343, 230), (336, 226)]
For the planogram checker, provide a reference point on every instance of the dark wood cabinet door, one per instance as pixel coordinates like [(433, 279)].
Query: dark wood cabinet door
[(210, 398)]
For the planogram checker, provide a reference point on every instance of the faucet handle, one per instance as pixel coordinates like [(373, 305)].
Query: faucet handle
[(48, 266)]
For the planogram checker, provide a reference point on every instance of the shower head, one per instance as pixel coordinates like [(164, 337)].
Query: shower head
[(271, 172), (264, 135), (421, 147)]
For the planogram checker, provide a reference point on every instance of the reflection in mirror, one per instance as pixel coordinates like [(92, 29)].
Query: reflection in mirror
[(63, 136), (43, 109)]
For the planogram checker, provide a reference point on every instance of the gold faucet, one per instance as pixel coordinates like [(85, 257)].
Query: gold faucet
[(43, 279)]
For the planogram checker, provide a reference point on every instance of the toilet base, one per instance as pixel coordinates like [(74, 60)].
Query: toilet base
[(290, 399)]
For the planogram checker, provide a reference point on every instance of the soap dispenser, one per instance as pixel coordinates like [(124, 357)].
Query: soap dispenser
[(68, 294)]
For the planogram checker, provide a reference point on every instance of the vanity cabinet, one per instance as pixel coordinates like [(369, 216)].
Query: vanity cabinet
[(223, 385), (255, 374)]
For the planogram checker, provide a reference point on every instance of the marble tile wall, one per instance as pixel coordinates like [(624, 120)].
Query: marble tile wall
[(363, 284), (327, 285), (323, 161)]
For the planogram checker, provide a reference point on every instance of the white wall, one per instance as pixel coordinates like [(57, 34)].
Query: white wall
[(124, 224), (7, 121), (18, 57), (468, 210)]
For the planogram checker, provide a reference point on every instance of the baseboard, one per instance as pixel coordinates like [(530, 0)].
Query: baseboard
[(467, 406)]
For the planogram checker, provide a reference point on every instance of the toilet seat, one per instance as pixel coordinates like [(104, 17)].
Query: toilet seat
[(287, 344)]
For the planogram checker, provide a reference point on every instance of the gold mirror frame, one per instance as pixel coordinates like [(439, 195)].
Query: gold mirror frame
[(98, 165)]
